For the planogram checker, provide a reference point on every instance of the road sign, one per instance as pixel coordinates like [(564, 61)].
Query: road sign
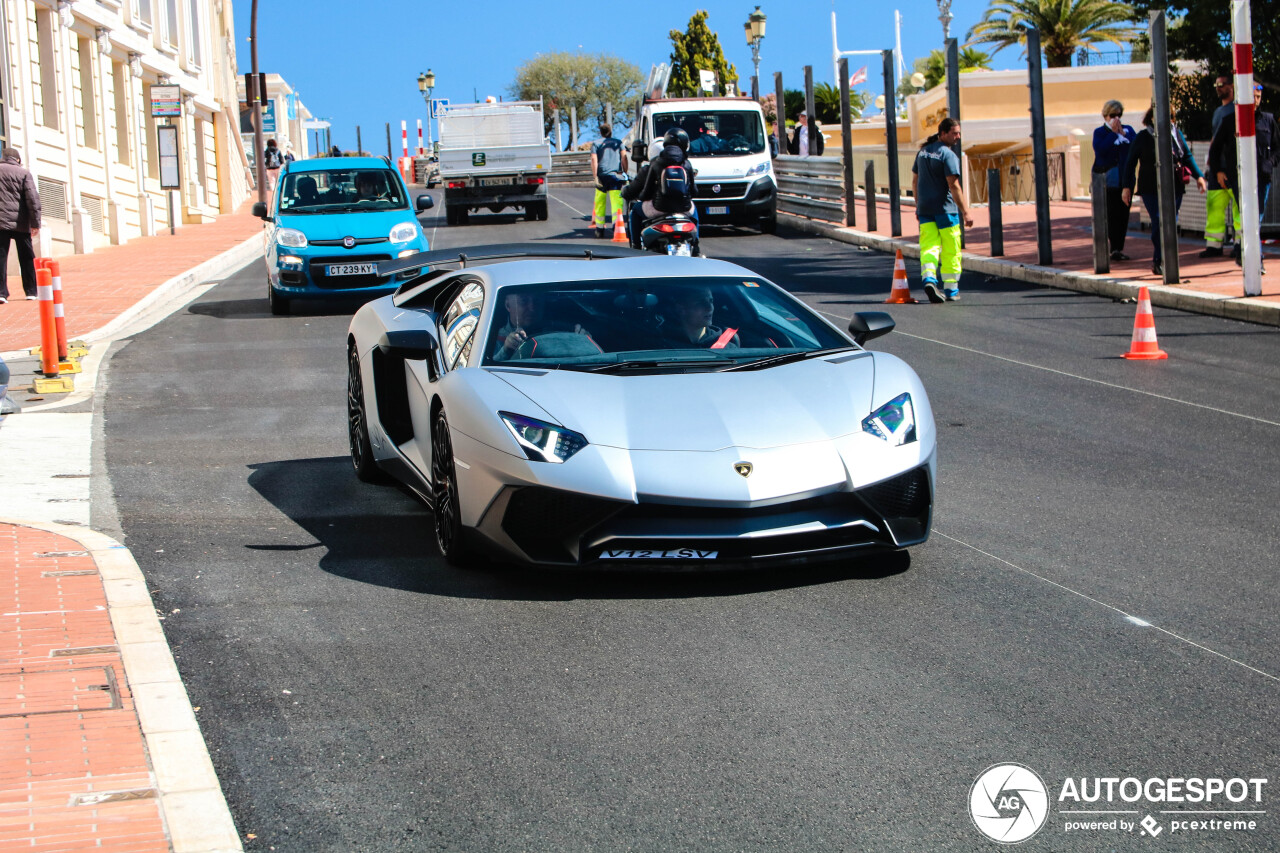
[(315, 124), (166, 101), (438, 105)]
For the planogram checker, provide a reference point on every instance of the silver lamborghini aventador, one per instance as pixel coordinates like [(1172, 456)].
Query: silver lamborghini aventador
[(613, 411)]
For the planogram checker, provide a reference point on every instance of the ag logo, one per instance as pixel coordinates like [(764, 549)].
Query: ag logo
[(477, 158), (1008, 803), (743, 468)]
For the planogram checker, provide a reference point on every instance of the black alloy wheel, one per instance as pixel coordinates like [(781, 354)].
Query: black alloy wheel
[(358, 424), (444, 495)]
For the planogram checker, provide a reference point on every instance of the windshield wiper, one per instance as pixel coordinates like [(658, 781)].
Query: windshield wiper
[(788, 358), (655, 364)]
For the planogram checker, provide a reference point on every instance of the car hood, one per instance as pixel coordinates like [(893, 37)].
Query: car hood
[(335, 226), (786, 405)]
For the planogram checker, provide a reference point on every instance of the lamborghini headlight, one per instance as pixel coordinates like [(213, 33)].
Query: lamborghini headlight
[(895, 421), (543, 442)]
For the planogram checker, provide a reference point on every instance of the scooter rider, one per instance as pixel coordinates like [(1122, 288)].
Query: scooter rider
[(652, 196)]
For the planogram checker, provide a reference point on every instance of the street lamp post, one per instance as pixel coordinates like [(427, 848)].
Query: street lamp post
[(944, 15), (427, 82), (754, 29)]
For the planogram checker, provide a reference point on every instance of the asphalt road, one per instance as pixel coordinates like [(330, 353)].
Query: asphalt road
[(1099, 597)]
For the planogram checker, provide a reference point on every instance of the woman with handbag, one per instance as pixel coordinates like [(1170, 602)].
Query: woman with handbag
[(1142, 161)]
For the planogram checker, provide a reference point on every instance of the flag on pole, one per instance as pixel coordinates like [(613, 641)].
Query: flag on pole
[(859, 76)]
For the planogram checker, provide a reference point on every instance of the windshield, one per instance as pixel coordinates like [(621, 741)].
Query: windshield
[(340, 191), (715, 133), (660, 324)]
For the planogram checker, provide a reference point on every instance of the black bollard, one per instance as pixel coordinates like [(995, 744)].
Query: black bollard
[(995, 213), (871, 194), (1101, 247)]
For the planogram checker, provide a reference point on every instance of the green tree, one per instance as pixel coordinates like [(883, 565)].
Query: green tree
[(697, 49), (587, 82), (792, 103), (1065, 26), (1201, 32), (826, 102)]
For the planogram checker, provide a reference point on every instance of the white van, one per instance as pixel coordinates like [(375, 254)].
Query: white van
[(729, 150)]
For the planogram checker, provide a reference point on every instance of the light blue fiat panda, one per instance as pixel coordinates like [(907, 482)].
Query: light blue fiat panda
[(329, 221)]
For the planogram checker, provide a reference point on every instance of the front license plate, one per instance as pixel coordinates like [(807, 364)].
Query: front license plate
[(719, 210), (675, 554), (349, 269), (494, 182)]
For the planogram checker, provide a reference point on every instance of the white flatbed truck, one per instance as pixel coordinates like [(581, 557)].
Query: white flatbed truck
[(494, 156)]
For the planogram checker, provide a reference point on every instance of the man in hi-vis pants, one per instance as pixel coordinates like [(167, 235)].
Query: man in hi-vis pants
[(940, 205), (1218, 197)]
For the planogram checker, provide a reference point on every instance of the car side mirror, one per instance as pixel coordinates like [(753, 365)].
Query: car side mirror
[(866, 325), (260, 209), (409, 344), (638, 152), (425, 202)]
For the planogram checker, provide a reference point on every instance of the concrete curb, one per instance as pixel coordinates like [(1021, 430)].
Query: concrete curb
[(1162, 295), (191, 800)]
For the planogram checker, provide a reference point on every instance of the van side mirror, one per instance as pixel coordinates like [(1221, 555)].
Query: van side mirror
[(260, 209), (425, 202), (638, 152), (409, 344), (866, 325)]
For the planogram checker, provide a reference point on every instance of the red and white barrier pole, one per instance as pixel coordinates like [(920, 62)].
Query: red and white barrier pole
[(1246, 150), (59, 313), (48, 334), (420, 152), (404, 138)]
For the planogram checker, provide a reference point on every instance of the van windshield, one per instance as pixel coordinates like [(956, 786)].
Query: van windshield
[(715, 133)]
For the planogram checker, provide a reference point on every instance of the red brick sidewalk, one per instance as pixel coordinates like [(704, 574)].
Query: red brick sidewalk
[(1072, 243), (98, 287), (74, 773)]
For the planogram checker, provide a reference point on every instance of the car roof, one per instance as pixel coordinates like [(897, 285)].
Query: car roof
[(321, 164), (550, 272)]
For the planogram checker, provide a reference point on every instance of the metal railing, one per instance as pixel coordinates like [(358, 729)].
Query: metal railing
[(1086, 57), (1017, 177)]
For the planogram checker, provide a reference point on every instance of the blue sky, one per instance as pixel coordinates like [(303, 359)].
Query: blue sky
[(358, 63)]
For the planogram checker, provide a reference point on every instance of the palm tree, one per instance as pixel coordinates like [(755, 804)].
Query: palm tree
[(1064, 25)]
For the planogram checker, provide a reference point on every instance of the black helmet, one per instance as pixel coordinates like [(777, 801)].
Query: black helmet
[(676, 136)]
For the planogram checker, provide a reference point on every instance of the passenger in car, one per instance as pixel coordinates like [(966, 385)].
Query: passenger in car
[(694, 310), (526, 319), (307, 193)]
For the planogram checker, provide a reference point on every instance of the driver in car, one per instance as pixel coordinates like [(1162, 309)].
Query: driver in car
[(694, 310), (369, 187), (525, 320)]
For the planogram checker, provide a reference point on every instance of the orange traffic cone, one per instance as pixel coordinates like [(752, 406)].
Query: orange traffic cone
[(1144, 344), (619, 230), (900, 293)]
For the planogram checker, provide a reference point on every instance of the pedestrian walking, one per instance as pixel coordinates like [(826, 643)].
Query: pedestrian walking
[(940, 206), (1142, 161), (803, 143), (1218, 197), (288, 152), (609, 165), (19, 221), (273, 159), (335, 151), (1223, 157), (1111, 144)]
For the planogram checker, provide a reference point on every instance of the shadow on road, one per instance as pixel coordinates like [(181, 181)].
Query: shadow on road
[(258, 309), (383, 536)]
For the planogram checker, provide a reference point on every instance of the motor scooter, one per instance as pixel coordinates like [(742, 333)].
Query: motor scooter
[(671, 234)]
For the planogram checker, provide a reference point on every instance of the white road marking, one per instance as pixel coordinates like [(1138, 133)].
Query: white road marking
[(566, 204), (1078, 376), (1111, 607)]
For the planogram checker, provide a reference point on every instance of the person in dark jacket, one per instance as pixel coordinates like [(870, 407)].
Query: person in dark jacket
[(19, 221), (1223, 157), (1111, 144), (643, 192), (1142, 161)]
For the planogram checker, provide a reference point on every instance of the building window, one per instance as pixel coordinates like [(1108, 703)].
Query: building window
[(88, 112), (45, 22), (171, 23), (92, 205), (143, 10), (193, 34), (153, 164), (120, 87), (53, 199), (202, 175)]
